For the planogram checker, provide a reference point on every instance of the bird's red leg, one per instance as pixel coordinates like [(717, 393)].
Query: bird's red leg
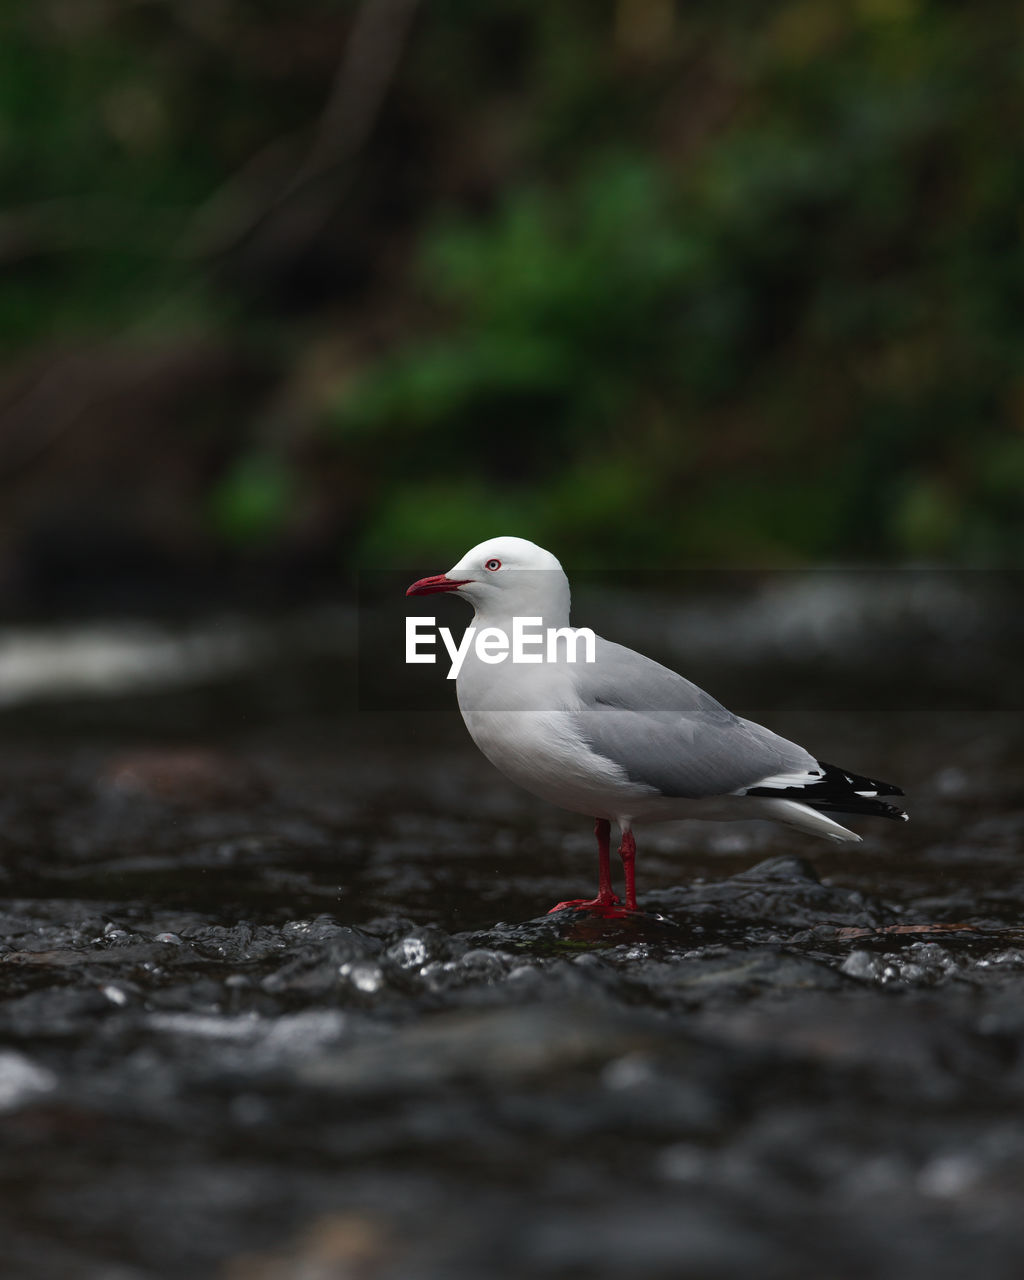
[(627, 852), (605, 893), (606, 896)]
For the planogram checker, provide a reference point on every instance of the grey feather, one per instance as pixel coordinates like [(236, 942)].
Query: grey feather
[(668, 734)]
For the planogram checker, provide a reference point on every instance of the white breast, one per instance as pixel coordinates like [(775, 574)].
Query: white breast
[(522, 717)]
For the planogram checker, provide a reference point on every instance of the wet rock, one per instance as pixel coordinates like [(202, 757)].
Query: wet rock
[(648, 1241), (781, 892), (922, 1047), (500, 1047), (342, 993), (321, 957), (22, 1080), (699, 980), (862, 964), (416, 949)]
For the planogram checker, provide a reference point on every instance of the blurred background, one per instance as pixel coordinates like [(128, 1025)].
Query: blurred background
[(293, 288)]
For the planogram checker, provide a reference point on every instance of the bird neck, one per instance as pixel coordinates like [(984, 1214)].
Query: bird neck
[(547, 599)]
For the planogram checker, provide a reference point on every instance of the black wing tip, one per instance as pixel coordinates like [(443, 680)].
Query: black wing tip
[(838, 791), (856, 805), (842, 780), (872, 808)]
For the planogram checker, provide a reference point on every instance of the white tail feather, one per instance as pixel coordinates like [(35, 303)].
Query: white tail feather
[(804, 818)]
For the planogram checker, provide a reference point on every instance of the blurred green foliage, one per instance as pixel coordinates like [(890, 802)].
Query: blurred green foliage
[(643, 280), (251, 504), (796, 333)]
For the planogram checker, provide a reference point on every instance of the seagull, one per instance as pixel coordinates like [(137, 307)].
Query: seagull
[(621, 738)]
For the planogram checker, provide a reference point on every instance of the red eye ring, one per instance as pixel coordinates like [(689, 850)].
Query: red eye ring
[(492, 565)]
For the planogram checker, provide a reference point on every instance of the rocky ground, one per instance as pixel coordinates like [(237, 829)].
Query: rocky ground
[(289, 1005)]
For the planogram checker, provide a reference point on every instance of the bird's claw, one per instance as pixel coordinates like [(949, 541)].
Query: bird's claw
[(609, 908)]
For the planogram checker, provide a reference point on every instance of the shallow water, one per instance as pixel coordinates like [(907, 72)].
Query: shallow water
[(280, 998)]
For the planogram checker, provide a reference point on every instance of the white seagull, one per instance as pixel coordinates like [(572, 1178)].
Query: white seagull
[(622, 738)]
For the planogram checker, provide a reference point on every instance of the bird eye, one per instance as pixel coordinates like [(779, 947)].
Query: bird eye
[(492, 565)]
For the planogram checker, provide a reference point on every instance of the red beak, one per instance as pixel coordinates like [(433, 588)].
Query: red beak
[(431, 586)]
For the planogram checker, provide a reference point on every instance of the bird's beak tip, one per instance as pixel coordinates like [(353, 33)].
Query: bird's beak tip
[(431, 586)]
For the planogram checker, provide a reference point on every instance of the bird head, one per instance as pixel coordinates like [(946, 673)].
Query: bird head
[(505, 577)]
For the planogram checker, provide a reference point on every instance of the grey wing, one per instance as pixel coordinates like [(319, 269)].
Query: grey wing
[(668, 734)]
